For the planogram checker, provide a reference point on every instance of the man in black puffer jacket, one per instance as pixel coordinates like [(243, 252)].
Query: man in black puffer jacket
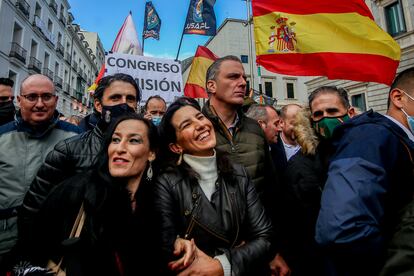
[(114, 96)]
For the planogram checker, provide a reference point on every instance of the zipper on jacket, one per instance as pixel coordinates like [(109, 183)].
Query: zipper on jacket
[(211, 231), (233, 198), (196, 198)]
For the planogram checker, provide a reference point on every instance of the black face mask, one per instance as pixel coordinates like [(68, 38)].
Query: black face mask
[(7, 111), (110, 113)]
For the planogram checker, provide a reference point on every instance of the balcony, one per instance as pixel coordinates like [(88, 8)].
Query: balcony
[(59, 49), (35, 65), (24, 7), (53, 5), (41, 26), (47, 72), (18, 52), (70, 18), (75, 66), (66, 88), (58, 81), (62, 18), (68, 58)]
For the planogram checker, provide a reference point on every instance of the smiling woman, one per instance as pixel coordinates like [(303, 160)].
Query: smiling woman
[(118, 235), (200, 196)]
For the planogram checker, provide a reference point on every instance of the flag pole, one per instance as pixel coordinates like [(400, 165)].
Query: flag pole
[(179, 46), (143, 43), (249, 37), (182, 34)]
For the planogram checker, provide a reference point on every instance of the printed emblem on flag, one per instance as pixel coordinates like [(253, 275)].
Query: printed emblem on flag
[(152, 19), (282, 36), (198, 12)]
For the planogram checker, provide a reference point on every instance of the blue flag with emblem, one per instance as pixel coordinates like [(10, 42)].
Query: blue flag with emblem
[(152, 23), (201, 18)]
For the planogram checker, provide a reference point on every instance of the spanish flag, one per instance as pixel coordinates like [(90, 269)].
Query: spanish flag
[(196, 81), (101, 73), (338, 39)]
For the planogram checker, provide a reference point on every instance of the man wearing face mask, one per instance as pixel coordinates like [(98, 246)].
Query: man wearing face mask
[(7, 108), (115, 95), (155, 108), (305, 174), (370, 179)]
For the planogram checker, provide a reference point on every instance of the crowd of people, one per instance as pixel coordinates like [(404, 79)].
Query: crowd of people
[(212, 190)]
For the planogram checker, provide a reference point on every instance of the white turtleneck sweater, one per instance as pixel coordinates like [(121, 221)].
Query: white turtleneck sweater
[(206, 168)]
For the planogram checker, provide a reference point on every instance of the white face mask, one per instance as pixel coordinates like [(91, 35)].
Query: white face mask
[(410, 119)]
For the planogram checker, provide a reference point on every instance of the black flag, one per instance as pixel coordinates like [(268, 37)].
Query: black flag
[(201, 19)]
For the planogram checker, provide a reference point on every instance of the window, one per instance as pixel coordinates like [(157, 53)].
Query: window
[(395, 19), (260, 88), (46, 60), (17, 33), (38, 10), (358, 101), (12, 76), (33, 49), (244, 59), (268, 89), (49, 25), (56, 68), (290, 90)]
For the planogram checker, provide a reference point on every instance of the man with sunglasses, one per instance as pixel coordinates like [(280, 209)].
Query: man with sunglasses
[(7, 108), (24, 144), (370, 180)]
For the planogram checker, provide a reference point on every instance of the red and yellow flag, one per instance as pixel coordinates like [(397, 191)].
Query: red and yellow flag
[(336, 38), (196, 82), (101, 73)]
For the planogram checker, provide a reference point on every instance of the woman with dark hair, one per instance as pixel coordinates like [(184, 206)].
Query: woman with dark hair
[(118, 236), (202, 197)]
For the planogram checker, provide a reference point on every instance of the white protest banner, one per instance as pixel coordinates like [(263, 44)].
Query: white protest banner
[(154, 76)]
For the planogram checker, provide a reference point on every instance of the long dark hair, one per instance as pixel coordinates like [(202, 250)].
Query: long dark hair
[(107, 197)]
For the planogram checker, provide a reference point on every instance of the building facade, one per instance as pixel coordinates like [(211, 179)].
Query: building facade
[(40, 37), (397, 18), (232, 39)]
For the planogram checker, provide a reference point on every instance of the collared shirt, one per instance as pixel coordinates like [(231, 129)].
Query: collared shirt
[(290, 150), (406, 130), (232, 127)]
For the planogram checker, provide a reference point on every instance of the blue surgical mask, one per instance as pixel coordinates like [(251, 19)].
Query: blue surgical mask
[(156, 120), (410, 119)]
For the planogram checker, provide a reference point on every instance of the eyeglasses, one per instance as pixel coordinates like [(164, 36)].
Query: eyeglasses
[(33, 98), (4, 99)]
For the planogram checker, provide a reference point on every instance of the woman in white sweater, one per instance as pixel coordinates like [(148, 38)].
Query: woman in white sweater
[(203, 197)]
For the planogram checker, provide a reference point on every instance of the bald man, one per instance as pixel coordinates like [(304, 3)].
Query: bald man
[(24, 144), (286, 146)]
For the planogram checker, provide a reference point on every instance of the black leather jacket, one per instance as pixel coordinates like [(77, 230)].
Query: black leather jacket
[(232, 223), (68, 158)]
